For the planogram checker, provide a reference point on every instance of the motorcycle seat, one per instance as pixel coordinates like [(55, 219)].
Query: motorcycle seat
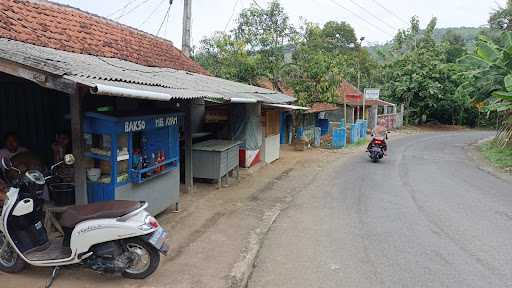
[(111, 209)]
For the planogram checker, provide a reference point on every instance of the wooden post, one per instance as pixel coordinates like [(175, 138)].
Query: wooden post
[(189, 177), (76, 111)]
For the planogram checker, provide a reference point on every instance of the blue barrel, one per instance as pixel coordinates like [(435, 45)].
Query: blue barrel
[(317, 136), (354, 133), (365, 127), (339, 138), (299, 133), (362, 131)]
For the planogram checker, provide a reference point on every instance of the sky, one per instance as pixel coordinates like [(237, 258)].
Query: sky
[(376, 20)]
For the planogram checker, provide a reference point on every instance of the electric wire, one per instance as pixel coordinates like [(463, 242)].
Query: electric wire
[(361, 18), (390, 12), (152, 13), (232, 15), (373, 15), (257, 4), (167, 23), (122, 8), (131, 10), (164, 20)]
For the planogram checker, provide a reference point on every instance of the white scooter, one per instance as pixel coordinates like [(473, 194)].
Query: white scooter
[(115, 237)]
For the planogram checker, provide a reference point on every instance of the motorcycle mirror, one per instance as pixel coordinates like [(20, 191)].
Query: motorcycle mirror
[(69, 159)]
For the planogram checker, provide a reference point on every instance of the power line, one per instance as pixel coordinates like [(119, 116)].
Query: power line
[(361, 18), (131, 10), (164, 20), (373, 15), (232, 14), (257, 4), (167, 22), (122, 8), (151, 14), (390, 12)]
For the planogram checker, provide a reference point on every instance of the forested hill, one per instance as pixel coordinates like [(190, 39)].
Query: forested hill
[(469, 34)]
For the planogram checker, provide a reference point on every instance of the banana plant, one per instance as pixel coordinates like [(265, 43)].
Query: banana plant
[(490, 70)]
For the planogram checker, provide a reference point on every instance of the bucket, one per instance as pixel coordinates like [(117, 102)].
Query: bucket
[(62, 194)]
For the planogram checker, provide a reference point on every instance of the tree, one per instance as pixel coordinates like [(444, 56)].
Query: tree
[(227, 58), (455, 46), (421, 74), (333, 37), (323, 57), (501, 19), (266, 31)]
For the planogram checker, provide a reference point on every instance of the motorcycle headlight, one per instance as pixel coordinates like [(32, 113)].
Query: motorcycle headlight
[(35, 176)]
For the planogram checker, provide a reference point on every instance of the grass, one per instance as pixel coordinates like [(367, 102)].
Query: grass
[(359, 142), (499, 157)]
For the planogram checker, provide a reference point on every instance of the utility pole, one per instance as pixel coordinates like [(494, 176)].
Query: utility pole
[(359, 73), (187, 19)]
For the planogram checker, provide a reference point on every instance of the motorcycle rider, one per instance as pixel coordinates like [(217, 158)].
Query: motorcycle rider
[(380, 133)]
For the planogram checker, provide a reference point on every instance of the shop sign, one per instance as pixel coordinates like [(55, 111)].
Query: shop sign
[(371, 93), (139, 125)]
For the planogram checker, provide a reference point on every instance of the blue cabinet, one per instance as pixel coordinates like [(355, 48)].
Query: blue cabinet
[(128, 150)]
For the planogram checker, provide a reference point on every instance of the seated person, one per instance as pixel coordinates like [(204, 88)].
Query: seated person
[(61, 146), (11, 147)]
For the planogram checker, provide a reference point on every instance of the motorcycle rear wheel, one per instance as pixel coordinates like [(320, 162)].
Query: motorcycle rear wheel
[(147, 259), (10, 261)]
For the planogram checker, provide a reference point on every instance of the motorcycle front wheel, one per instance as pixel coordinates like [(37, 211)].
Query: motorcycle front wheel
[(10, 261), (146, 259)]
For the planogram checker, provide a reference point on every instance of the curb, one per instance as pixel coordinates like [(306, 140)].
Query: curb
[(243, 268), (239, 276)]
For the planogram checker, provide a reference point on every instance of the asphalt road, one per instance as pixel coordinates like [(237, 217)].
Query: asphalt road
[(424, 217)]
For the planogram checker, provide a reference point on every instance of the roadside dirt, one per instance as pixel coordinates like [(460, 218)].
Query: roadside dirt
[(213, 230), (216, 235), (485, 165)]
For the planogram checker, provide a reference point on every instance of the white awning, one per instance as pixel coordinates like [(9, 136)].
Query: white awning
[(286, 106), (129, 93)]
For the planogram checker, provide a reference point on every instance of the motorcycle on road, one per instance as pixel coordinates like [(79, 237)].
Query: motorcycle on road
[(376, 148), (114, 237)]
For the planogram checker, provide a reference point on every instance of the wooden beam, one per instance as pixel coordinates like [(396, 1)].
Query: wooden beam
[(189, 177), (77, 116), (42, 78)]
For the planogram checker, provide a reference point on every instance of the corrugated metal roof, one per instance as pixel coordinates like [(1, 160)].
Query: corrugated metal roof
[(91, 70)]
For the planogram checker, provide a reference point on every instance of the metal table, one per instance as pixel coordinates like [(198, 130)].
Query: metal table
[(214, 159)]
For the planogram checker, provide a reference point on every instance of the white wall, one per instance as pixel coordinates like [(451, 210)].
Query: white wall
[(271, 148)]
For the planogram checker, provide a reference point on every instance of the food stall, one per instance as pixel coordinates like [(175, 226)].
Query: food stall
[(133, 158)]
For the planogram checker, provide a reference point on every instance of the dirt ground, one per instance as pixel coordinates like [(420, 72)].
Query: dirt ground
[(215, 235)]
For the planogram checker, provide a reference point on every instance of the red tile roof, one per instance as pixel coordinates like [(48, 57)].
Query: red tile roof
[(61, 27), (354, 97), (322, 107), (267, 84), (348, 89)]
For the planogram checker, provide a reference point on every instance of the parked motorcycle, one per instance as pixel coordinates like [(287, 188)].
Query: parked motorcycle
[(115, 237)]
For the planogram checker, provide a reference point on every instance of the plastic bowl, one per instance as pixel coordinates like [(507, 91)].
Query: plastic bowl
[(93, 174)]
